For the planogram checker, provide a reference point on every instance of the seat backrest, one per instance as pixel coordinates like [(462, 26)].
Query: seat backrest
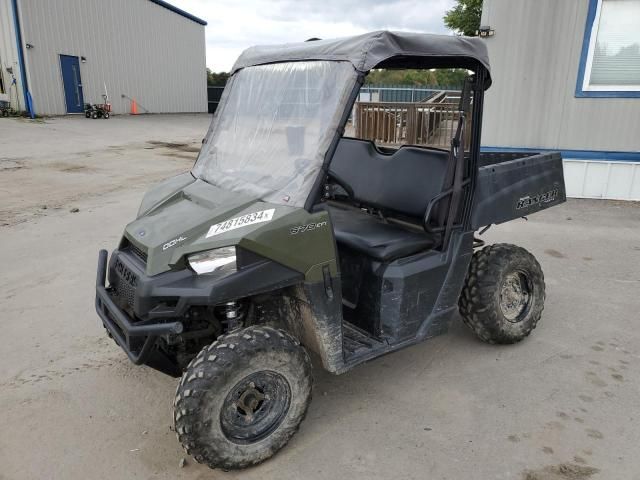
[(403, 181)]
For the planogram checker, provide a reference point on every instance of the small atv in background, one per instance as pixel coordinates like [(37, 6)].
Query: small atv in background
[(288, 237), (5, 109), (98, 110)]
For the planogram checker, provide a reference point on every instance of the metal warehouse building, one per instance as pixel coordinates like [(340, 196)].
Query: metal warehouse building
[(56, 55), (567, 77)]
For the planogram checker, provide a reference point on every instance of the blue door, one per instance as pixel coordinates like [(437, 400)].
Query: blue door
[(70, 67)]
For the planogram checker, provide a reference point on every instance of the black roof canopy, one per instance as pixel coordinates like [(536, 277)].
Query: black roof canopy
[(381, 49)]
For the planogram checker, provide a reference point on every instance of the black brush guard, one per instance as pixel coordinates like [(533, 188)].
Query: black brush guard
[(119, 324)]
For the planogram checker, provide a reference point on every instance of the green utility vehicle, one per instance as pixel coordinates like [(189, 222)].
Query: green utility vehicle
[(288, 237)]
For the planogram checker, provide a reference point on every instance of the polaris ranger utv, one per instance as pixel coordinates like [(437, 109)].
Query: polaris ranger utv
[(287, 237)]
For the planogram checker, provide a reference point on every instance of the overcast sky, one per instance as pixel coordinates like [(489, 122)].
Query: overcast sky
[(235, 25)]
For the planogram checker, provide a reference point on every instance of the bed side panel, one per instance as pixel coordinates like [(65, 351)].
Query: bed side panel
[(517, 188)]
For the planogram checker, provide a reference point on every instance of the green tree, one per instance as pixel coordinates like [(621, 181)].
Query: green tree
[(442, 77), (464, 18), (216, 79)]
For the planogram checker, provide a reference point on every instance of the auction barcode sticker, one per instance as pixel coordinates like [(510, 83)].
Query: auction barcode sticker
[(243, 221)]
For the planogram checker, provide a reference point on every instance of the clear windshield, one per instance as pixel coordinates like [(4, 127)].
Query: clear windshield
[(273, 127)]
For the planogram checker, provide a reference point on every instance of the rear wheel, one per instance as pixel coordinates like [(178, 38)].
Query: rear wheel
[(106, 115), (503, 296), (242, 398), (94, 115)]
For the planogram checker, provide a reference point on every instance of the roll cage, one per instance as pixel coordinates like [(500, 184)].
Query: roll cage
[(451, 209)]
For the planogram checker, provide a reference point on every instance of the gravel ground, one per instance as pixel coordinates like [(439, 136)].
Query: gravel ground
[(564, 404)]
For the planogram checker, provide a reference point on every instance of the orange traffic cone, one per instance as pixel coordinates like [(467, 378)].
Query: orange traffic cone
[(134, 107)]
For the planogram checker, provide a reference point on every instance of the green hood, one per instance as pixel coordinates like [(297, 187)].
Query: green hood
[(176, 218)]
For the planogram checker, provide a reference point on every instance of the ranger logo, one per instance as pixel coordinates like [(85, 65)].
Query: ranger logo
[(546, 197)]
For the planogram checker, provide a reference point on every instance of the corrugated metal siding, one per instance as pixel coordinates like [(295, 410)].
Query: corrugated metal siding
[(9, 54), (402, 93), (534, 57), (602, 179), (136, 47)]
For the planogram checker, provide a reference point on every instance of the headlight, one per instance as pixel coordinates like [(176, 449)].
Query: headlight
[(220, 261)]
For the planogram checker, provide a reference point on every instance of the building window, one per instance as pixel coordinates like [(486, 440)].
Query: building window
[(610, 61)]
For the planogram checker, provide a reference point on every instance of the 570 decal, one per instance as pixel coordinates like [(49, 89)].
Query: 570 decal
[(529, 200), (306, 228)]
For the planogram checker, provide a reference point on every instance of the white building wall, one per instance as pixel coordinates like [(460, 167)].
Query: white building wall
[(9, 57), (535, 55), (135, 47), (602, 179)]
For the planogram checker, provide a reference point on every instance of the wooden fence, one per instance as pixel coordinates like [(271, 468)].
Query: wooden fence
[(402, 123)]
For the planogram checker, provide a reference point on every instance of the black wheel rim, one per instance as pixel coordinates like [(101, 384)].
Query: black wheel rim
[(255, 407), (516, 296)]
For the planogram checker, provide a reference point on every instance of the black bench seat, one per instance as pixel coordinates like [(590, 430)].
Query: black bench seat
[(374, 237), (399, 183)]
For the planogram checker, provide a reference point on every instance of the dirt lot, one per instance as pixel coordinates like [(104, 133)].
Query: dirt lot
[(51, 164), (565, 404)]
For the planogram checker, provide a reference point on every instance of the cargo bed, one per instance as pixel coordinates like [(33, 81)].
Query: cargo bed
[(516, 184)]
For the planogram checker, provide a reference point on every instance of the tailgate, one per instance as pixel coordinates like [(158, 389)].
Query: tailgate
[(517, 187)]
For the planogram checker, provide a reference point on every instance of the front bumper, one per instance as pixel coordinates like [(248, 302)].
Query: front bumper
[(136, 338), (140, 311)]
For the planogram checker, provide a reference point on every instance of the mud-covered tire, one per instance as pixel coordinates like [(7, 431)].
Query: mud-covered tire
[(208, 421), (486, 303)]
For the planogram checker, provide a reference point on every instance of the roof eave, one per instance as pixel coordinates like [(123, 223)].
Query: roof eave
[(179, 11)]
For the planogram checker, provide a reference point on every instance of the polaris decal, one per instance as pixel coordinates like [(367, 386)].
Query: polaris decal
[(243, 221), (306, 228), (528, 201), (174, 242)]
